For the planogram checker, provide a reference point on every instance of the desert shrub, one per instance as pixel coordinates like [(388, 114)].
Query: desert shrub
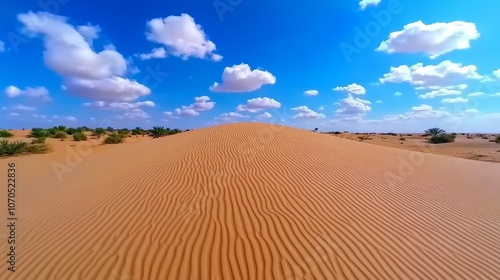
[(485, 137), (110, 129), (454, 134), (5, 134), (409, 134), (442, 138), (37, 133), (79, 136), (60, 135), (138, 131), (123, 131), (497, 139), (98, 132), (402, 139), (114, 138), (158, 131), (39, 140), (38, 148), (12, 148), (337, 132)]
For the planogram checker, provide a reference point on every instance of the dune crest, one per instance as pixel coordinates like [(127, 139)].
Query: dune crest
[(258, 201)]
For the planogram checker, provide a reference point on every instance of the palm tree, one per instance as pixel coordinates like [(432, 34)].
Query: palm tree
[(435, 131), (158, 131), (38, 133)]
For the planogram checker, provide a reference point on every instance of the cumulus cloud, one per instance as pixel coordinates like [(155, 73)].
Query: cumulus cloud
[(495, 94), (423, 111), (379, 101), (365, 3), (155, 53), (133, 114), (303, 112), (231, 116), (311, 92), (264, 116), (259, 104), (89, 32), (352, 88), (85, 73), (38, 92), (71, 118), (240, 78), (443, 74), (182, 37), (477, 93), (202, 103), (455, 100), (353, 106), (119, 106), (496, 73), (433, 39), (444, 91), (397, 93)]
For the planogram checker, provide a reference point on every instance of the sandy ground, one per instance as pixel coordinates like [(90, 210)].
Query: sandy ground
[(475, 149), (252, 201)]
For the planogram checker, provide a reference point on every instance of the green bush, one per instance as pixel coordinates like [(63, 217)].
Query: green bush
[(79, 136), (442, 138), (98, 132), (38, 148), (158, 131), (138, 131), (114, 138), (5, 134), (38, 140), (12, 148), (497, 139), (38, 132), (60, 135)]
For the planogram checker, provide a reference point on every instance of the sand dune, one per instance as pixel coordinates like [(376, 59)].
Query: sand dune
[(256, 201)]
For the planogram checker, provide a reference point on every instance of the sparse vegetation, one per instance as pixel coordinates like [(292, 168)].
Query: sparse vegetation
[(497, 140), (98, 132), (442, 138), (110, 129), (39, 140), (138, 131), (79, 136), (37, 133), (114, 138), (5, 134), (402, 139), (60, 135), (158, 131), (20, 147)]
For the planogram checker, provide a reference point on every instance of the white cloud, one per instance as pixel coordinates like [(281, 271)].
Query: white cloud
[(23, 108), (365, 3), (134, 114), (444, 91), (455, 100), (71, 118), (89, 32), (311, 92), (182, 36), (259, 104), (352, 88), (423, 111), (496, 73), (443, 74), (87, 74), (38, 92), (155, 53), (353, 106), (470, 112), (119, 106), (495, 94), (322, 108), (232, 115), (264, 115), (379, 101), (2, 46), (202, 103), (433, 39), (13, 114), (305, 113), (477, 93), (397, 93), (240, 78)]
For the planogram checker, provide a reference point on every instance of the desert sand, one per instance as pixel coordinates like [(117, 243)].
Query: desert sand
[(252, 201)]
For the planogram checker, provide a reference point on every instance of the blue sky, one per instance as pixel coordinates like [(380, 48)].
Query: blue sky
[(190, 64)]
